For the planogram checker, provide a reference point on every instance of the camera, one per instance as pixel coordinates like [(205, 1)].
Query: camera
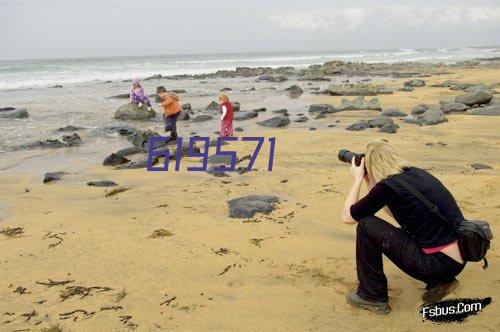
[(346, 156)]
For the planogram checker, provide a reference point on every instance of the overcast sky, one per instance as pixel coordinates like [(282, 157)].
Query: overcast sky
[(83, 28)]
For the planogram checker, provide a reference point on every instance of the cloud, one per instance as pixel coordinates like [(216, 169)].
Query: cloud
[(392, 16)]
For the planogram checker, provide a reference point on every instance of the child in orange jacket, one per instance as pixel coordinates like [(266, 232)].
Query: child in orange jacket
[(171, 111)]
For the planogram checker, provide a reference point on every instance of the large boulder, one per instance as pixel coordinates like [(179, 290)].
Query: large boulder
[(141, 138), (359, 103), (452, 107), (422, 108), (357, 89), (245, 115), (134, 112), (493, 110), (247, 207), (13, 113), (294, 90), (476, 96), (432, 116), (277, 121)]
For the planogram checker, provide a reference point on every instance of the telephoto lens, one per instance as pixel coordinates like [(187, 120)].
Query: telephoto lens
[(346, 156)]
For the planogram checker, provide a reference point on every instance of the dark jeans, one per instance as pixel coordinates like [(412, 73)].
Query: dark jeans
[(375, 237), (171, 125)]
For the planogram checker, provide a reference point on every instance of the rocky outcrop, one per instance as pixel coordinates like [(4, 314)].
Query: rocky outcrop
[(422, 108), (493, 110), (357, 89), (385, 125), (134, 112), (141, 138), (294, 90), (322, 109), (65, 141)]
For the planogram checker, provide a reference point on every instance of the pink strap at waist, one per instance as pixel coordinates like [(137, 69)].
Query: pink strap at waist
[(436, 249)]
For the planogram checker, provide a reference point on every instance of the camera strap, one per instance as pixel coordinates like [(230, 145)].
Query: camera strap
[(434, 209)]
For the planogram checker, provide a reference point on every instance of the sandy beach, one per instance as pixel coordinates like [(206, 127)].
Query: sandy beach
[(164, 254)]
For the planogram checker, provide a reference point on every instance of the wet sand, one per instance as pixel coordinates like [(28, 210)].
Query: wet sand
[(286, 271)]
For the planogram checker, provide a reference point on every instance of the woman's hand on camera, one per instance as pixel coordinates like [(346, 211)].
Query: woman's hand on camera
[(357, 172)]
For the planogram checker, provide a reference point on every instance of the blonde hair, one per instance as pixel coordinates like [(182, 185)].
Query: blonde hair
[(382, 160), (223, 97)]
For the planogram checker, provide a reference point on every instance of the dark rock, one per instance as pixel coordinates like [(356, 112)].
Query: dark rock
[(136, 164), (320, 116), (154, 77), (141, 138), (406, 88), (493, 110), (69, 128), (72, 140), (283, 111), (415, 83), (186, 107), (53, 177), (132, 111), (236, 106), (178, 91), (184, 150), (128, 151), (313, 128), (277, 121), (102, 183), (217, 173), (202, 118), (294, 90), (384, 123), (481, 166), (432, 116), (476, 96), (393, 112), (213, 106), (322, 109), (226, 89), (238, 129), (422, 108), (247, 207), (121, 96), (13, 113), (451, 107), (184, 115), (301, 119), (114, 159), (245, 115), (262, 109), (57, 86), (122, 130)]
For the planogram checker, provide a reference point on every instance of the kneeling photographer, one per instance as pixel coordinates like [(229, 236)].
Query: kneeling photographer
[(425, 247)]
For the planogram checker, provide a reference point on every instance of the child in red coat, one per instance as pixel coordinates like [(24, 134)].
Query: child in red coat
[(226, 124)]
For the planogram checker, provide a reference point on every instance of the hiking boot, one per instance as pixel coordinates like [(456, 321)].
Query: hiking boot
[(438, 292), (379, 307)]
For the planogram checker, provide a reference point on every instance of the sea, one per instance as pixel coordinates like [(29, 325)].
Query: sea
[(15, 74)]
